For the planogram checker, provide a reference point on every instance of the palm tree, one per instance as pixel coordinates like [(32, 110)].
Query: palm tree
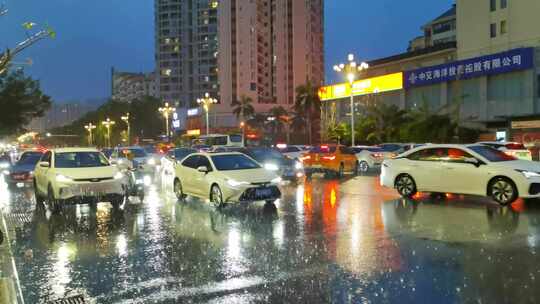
[(243, 108), (308, 104), (279, 118)]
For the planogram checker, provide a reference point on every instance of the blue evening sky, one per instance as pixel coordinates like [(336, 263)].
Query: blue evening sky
[(93, 35)]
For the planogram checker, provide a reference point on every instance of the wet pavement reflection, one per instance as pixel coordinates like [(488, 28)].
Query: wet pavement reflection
[(325, 241)]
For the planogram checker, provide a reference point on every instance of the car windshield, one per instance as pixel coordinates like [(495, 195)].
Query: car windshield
[(137, 153), (491, 154), (390, 147), (179, 154), (264, 154), (80, 160), (233, 162), (30, 158)]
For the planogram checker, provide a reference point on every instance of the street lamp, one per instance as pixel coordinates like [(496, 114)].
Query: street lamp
[(125, 118), (351, 71), (243, 127), (206, 102), (108, 124), (166, 111), (89, 127)]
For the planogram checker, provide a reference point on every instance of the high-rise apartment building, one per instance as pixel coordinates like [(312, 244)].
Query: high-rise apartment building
[(266, 49), (262, 49), (186, 50)]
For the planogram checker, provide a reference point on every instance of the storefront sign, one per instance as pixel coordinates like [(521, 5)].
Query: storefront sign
[(528, 124), (513, 60), (193, 112), (194, 132), (373, 85)]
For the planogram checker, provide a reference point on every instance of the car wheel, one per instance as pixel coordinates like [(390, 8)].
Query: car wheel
[(54, 204), (406, 186), (364, 167), (503, 191), (178, 190), (216, 197), (341, 171)]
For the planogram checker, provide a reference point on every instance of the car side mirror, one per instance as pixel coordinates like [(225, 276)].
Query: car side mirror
[(202, 169), (44, 164)]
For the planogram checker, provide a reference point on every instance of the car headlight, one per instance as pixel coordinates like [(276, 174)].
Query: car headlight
[(276, 180), (120, 161), (298, 165), (529, 174), (118, 175), (271, 167), (63, 179), (5, 172), (234, 183), (151, 162), (147, 180), (4, 165)]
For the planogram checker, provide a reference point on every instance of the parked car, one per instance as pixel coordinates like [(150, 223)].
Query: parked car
[(462, 169), (273, 160), (511, 148), (398, 148), (21, 174), (77, 175), (370, 157), (225, 177), (332, 160)]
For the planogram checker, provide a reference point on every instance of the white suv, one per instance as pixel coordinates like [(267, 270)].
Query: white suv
[(77, 175)]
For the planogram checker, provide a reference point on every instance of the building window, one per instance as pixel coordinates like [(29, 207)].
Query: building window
[(504, 4), (493, 5), (493, 30), (503, 27)]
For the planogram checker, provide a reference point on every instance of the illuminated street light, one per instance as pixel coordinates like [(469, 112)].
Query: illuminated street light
[(125, 118), (206, 102), (351, 70), (89, 127), (166, 112), (108, 124)]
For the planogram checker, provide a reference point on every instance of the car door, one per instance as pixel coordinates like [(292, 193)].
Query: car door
[(41, 172), (426, 169), (186, 172), (201, 181), (460, 176), (348, 157)]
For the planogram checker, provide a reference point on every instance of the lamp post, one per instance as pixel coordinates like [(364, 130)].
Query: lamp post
[(166, 110), (108, 124), (89, 127), (206, 101), (125, 118), (243, 127), (351, 71)]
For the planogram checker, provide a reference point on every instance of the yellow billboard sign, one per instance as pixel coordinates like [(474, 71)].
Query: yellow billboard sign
[(390, 82)]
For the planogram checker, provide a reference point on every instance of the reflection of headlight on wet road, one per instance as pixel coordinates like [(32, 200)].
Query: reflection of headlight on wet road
[(271, 167)]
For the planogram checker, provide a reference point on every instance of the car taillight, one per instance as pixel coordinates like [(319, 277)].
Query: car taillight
[(328, 157)]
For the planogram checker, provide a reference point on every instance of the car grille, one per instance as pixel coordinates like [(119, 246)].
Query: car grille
[(93, 180), (251, 194)]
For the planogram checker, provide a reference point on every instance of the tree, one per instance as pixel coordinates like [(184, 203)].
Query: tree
[(243, 108), (308, 104), (386, 122), (31, 38), (277, 122), (21, 100)]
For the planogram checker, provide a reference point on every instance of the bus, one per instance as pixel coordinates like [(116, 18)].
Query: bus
[(219, 140)]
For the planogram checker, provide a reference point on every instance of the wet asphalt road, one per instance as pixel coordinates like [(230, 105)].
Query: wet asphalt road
[(324, 242)]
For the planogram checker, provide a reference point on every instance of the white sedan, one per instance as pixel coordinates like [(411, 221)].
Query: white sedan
[(370, 157), (77, 175), (225, 177), (462, 169)]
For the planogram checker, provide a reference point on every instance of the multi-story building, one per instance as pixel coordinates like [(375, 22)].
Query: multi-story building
[(491, 73), (186, 51), (127, 87), (59, 115), (266, 49), (438, 31)]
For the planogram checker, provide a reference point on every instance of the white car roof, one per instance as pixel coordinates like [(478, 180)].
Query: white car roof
[(73, 149), (498, 142)]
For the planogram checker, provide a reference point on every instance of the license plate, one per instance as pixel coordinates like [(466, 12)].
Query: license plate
[(94, 190), (20, 185), (18, 176), (263, 192)]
